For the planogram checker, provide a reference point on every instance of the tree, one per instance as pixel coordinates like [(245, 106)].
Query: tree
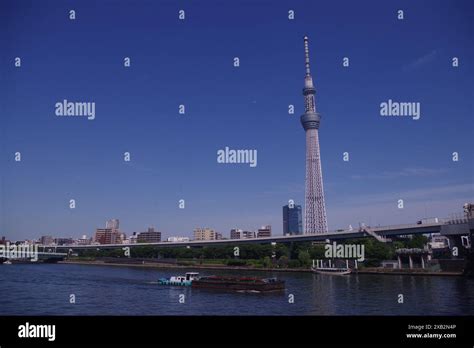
[(267, 262), (377, 250), (418, 241), (283, 261), (317, 252), (304, 258), (397, 245)]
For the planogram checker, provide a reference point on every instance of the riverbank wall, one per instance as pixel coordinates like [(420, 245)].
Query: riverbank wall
[(157, 265)]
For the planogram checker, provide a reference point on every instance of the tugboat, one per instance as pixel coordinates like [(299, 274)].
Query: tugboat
[(247, 284), (185, 280)]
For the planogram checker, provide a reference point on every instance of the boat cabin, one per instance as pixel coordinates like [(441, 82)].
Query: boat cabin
[(192, 275)]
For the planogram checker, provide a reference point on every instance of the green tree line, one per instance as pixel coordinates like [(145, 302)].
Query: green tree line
[(296, 254)]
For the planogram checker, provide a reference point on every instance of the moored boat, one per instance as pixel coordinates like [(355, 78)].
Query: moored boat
[(331, 270), (319, 268), (249, 284), (185, 280)]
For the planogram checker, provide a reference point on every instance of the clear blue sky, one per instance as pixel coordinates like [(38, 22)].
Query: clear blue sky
[(191, 62)]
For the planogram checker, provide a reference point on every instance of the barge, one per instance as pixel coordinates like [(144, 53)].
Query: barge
[(252, 284)]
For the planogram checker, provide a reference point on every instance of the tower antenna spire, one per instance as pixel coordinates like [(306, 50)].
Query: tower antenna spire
[(306, 55)]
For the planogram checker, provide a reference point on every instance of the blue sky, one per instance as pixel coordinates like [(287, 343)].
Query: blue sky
[(190, 62)]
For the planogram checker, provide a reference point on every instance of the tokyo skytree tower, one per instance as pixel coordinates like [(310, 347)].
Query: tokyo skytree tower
[(315, 220)]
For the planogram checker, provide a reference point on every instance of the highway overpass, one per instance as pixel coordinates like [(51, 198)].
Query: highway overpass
[(383, 233)]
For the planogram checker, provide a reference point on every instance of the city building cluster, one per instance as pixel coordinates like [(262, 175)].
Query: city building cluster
[(111, 234)]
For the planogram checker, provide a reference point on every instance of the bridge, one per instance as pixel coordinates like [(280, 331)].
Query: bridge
[(450, 229)]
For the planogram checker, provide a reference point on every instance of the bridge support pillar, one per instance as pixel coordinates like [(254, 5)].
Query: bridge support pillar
[(399, 262), (422, 262), (411, 261)]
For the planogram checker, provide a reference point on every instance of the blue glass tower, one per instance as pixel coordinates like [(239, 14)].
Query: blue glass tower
[(292, 219)]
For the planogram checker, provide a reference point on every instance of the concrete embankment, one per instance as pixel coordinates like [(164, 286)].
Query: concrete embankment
[(156, 265), (421, 272), (174, 266)]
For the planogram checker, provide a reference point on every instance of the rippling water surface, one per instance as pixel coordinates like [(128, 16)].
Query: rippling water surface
[(45, 289)]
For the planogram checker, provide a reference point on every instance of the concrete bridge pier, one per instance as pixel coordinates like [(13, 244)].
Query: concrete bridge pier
[(411, 259)]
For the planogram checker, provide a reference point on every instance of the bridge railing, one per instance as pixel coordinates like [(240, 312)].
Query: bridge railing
[(404, 226)]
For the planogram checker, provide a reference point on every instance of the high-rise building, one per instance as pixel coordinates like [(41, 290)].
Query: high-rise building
[(46, 240), (315, 220), (292, 219), (63, 241), (110, 234), (107, 236), (113, 224), (150, 236), (204, 234), (248, 234), (235, 233), (133, 238), (264, 231)]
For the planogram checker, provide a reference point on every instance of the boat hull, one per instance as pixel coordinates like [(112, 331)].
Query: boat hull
[(237, 284), (332, 271), (173, 283)]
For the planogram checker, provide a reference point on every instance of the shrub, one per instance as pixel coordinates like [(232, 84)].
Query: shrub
[(236, 262), (294, 263)]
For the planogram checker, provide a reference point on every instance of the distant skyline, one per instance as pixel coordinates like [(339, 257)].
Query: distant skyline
[(191, 62)]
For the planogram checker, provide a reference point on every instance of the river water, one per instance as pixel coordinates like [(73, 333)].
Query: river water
[(46, 289)]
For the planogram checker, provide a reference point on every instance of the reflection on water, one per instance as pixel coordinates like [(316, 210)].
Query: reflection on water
[(45, 290)]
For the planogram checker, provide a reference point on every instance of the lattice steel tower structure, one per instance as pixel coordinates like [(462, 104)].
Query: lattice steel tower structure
[(315, 220)]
